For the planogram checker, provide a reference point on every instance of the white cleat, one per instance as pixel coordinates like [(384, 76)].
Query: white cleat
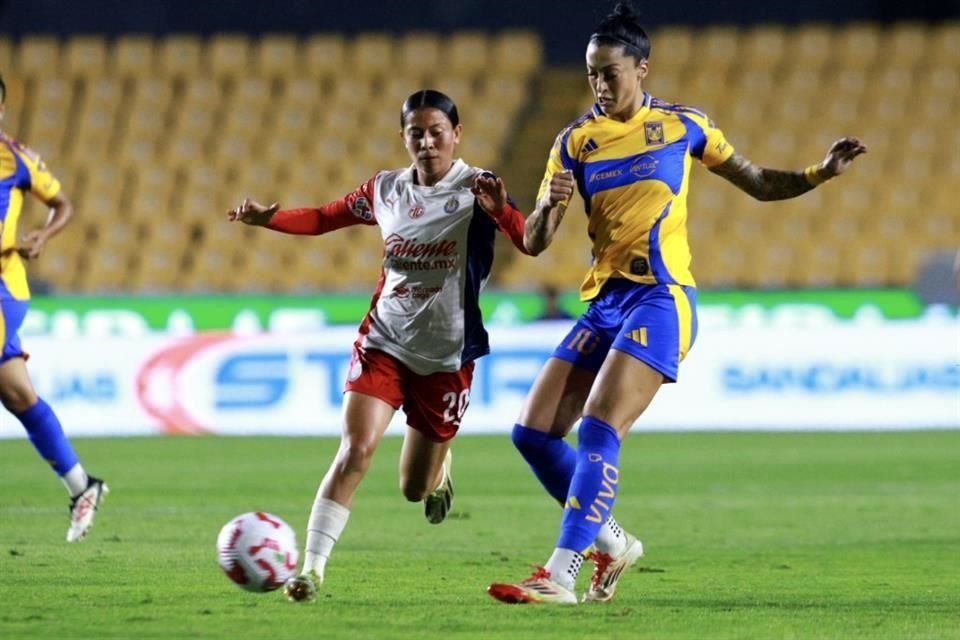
[(83, 508), (537, 589), (607, 570), (436, 506)]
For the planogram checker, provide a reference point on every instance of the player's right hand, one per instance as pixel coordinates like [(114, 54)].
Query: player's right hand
[(562, 185), (253, 213)]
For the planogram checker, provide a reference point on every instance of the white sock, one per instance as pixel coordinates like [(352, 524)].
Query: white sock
[(611, 539), (327, 521), (75, 480), (564, 567)]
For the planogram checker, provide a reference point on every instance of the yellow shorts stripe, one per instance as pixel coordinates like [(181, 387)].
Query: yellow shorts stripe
[(684, 317)]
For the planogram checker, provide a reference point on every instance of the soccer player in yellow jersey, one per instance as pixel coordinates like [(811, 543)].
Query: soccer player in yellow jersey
[(21, 172), (629, 158)]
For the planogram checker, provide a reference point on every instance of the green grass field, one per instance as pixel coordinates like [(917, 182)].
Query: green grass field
[(748, 536)]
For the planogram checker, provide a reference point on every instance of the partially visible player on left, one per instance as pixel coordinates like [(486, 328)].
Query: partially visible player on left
[(21, 171)]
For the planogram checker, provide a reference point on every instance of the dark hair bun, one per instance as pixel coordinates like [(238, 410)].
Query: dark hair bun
[(624, 9)]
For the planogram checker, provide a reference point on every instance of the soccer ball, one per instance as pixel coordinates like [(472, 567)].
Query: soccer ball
[(258, 551)]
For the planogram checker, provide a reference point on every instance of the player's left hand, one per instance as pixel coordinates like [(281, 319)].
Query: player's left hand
[(841, 155), (490, 192), (32, 244)]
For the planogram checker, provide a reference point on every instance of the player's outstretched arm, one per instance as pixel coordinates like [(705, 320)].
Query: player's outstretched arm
[(61, 211), (543, 222), (775, 184), (491, 195), (253, 213)]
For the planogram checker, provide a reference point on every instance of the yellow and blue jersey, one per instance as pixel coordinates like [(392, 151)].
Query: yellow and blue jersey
[(633, 177), (21, 171)]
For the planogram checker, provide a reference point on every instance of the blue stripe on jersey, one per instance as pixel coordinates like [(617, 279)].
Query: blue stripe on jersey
[(696, 136), (480, 239), (674, 107), (664, 164), (5, 187), (657, 264)]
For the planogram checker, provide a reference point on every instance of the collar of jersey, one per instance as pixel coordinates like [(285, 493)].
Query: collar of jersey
[(637, 117), (447, 181)]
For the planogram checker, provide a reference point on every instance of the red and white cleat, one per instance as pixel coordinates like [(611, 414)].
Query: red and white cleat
[(537, 589), (607, 570), (84, 507)]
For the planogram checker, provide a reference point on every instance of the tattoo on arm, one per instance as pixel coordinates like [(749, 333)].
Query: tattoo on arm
[(762, 184), (540, 227)]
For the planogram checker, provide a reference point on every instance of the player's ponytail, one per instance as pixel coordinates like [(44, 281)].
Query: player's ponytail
[(622, 28), (428, 98), (3, 90)]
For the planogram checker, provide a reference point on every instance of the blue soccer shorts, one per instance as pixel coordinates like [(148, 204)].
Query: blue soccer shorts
[(655, 323), (12, 313)]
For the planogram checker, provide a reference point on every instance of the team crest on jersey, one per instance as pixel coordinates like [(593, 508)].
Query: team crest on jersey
[(653, 132), (416, 210), (452, 205), (361, 209)]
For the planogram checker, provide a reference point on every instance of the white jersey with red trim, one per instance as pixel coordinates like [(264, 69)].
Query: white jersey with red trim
[(438, 250)]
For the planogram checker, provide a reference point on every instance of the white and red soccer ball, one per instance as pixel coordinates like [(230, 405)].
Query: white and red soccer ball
[(258, 551)]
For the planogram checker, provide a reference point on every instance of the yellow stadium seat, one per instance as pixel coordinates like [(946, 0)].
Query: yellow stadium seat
[(302, 92), (6, 54), (155, 272), (516, 53), (85, 56), (764, 47), (810, 46), (719, 47), (103, 94), (133, 56), (466, 53), (228, 55), (199, 91), (277, 55), (417, 50), (671, 49), (945, 44), (38, 56), (858, 45), (906, 44), (53, 93), (105, 271), (180, 55), (324, 55), (371, 54), (151, 93), (244, 119)]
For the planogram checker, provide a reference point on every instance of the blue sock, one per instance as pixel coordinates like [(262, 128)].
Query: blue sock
[(48, 438), (552, 460), (594, 485)]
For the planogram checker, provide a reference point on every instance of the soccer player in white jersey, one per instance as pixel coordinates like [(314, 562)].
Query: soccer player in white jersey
[(417, 344)]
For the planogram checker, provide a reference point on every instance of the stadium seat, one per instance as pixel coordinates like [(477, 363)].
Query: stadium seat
[(85, 56), (38, 56), (133, 56), (466, 53), (516, 53), (324, 55), (277, 56), (228, 56), (180, 56)]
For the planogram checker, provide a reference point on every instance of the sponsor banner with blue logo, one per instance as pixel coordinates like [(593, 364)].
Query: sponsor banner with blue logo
[(792, 373)]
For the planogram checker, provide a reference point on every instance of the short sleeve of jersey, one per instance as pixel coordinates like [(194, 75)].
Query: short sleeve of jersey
[(43, 184), (711, 147), (559, 160)]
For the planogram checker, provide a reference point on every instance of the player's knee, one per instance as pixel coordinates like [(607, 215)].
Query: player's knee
[(17, 398), (355, 456), (528, 440)]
